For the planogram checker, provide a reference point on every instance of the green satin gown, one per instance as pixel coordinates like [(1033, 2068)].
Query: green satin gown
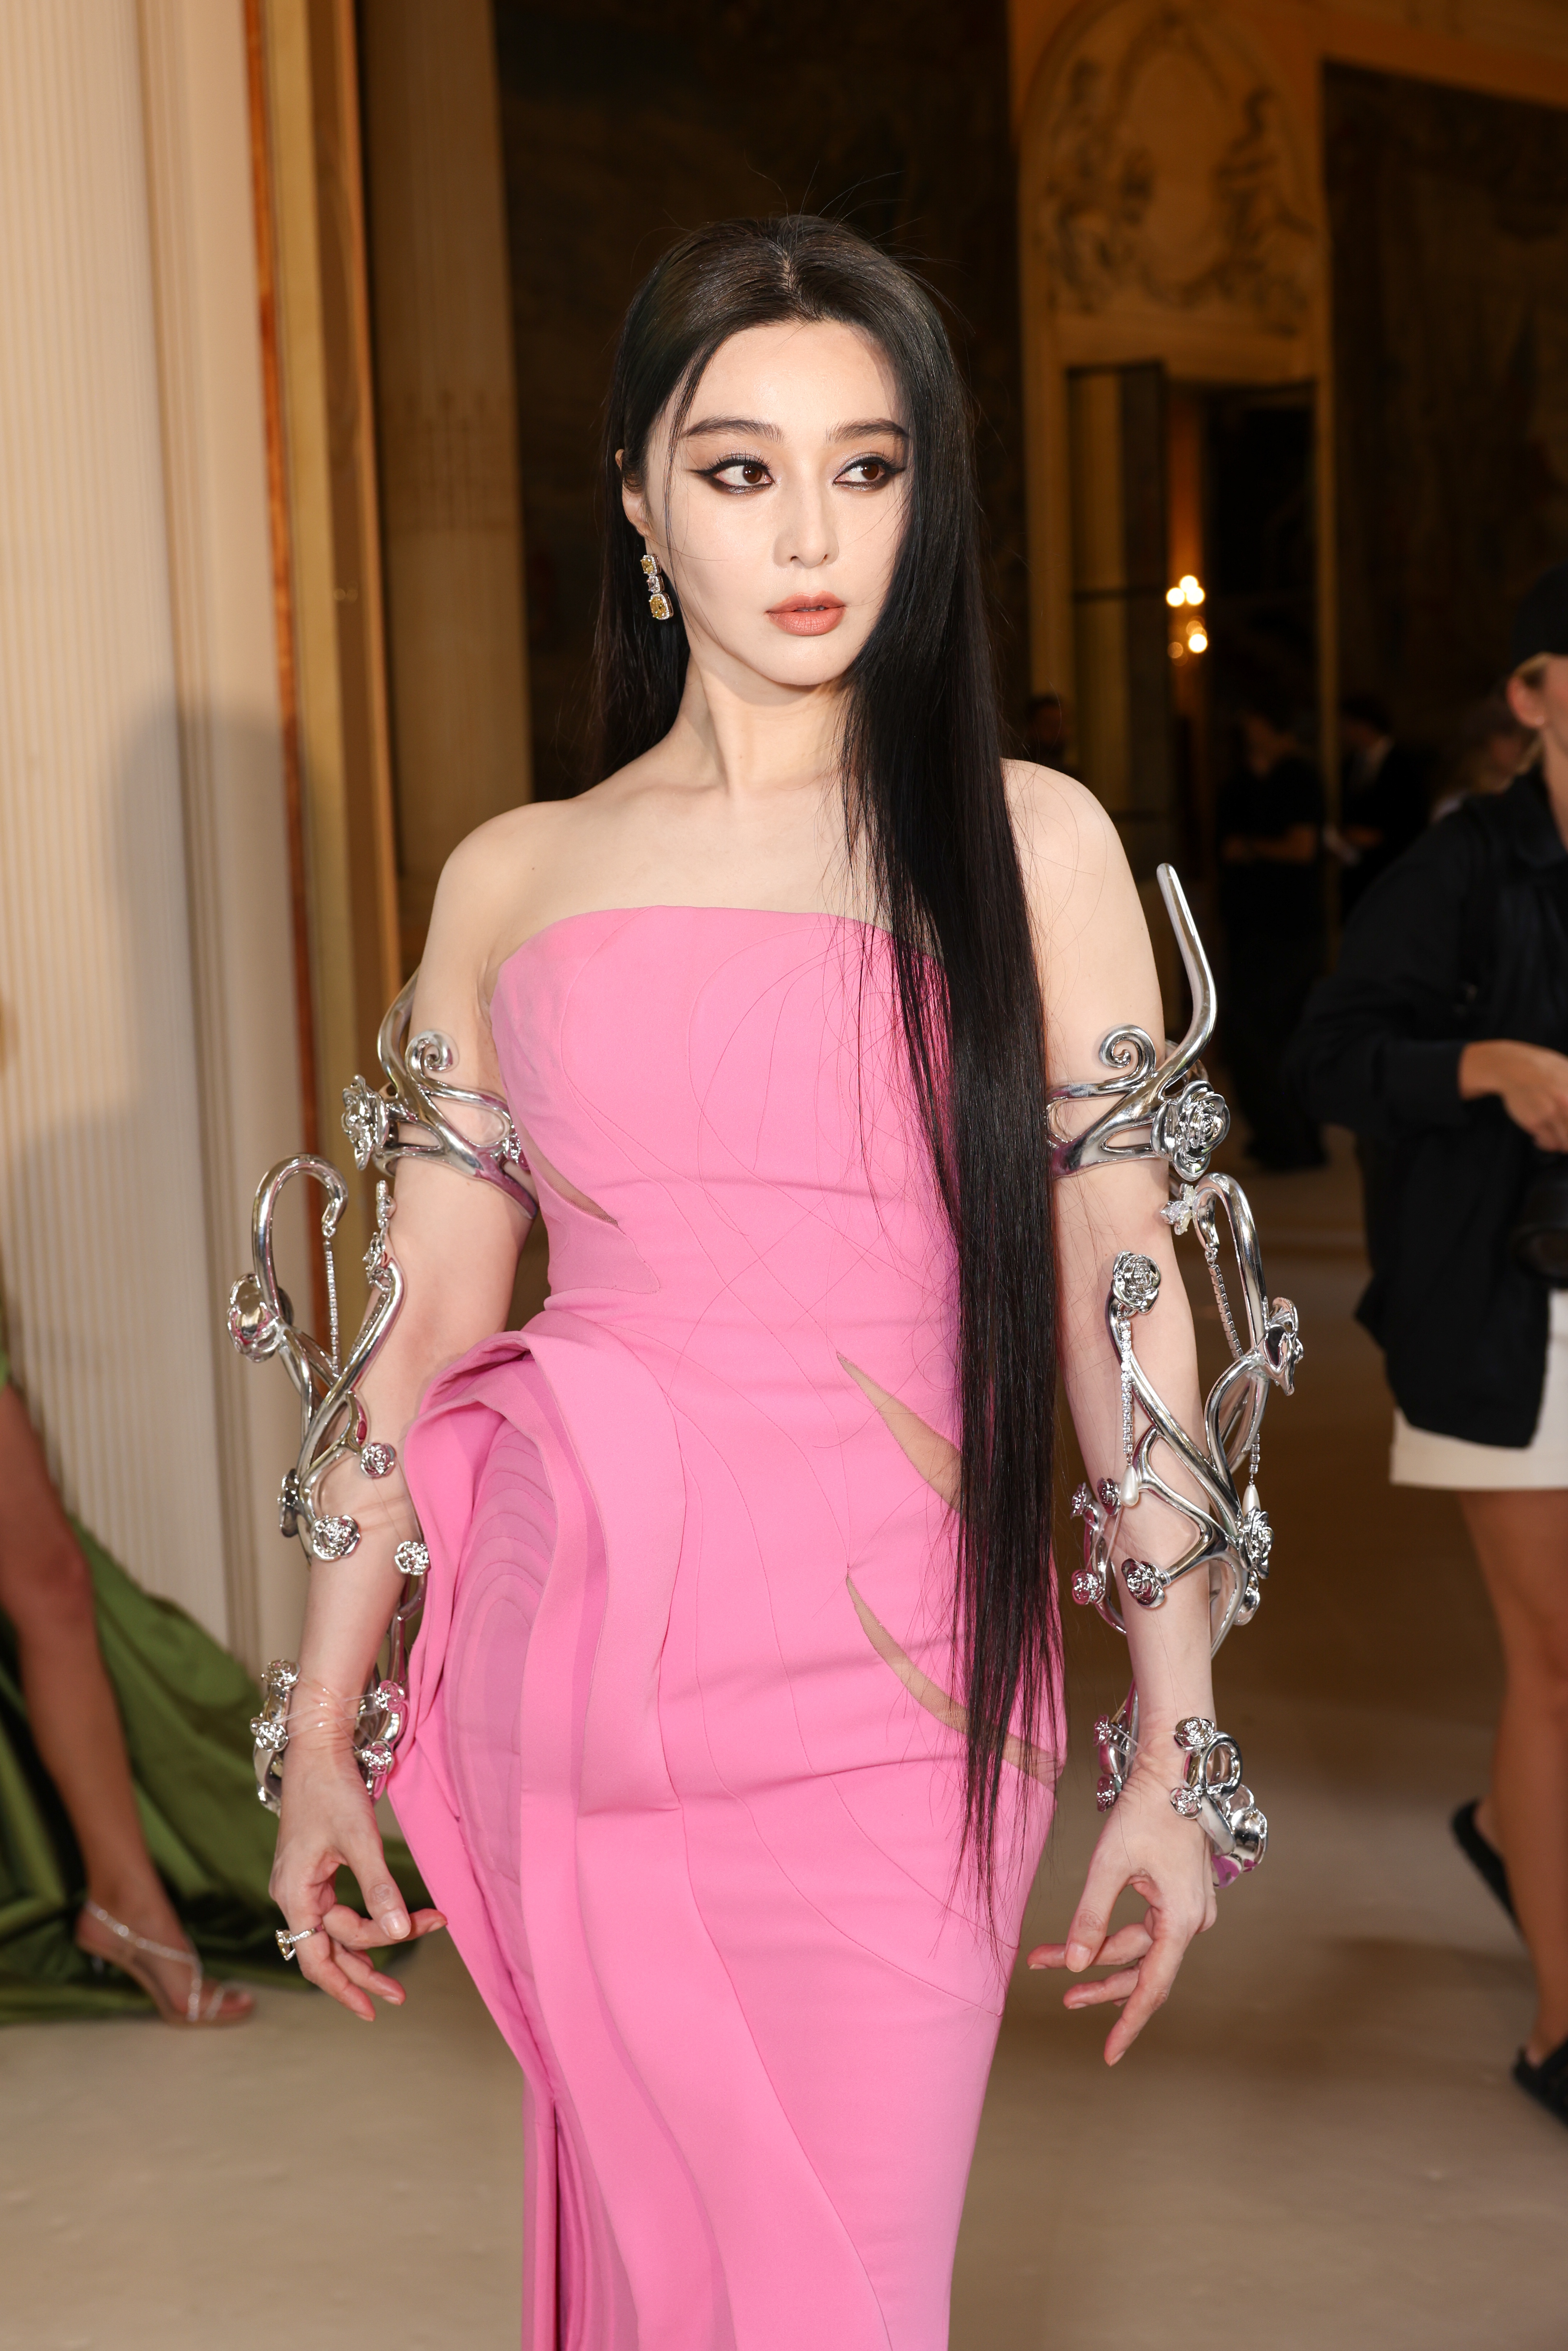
[(186, 1705)]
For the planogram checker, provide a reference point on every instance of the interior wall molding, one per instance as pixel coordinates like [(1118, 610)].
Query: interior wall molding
[(448, 421), (310, 175)]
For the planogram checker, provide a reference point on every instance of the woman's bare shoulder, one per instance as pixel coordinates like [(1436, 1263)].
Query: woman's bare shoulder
[(1070, 852), (519, 871), (502, 859)]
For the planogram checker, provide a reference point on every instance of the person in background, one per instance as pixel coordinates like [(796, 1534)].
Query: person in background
[(1386, 795), (1271, 818), (1045, 732), (130, 1829), (1442, 1040), (1493, 746)]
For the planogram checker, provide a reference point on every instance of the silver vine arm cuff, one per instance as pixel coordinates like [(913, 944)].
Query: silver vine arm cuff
[(407, 1119), (1155, 1107)]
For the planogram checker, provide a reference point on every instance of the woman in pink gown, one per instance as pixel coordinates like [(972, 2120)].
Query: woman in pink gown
[(736, 1709)]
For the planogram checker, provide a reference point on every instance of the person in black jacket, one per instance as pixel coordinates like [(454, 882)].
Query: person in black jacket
[(1442, 1040)]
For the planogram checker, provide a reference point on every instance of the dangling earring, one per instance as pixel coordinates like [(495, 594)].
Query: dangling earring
[(659, 603)]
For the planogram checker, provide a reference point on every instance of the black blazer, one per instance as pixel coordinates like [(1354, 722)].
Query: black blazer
[(1466, 937)]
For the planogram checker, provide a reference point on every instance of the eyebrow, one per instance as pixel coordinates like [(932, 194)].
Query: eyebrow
[(744, 424), (758, 430)]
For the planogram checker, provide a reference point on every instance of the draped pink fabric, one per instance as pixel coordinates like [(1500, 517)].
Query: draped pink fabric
[(680, 1774)]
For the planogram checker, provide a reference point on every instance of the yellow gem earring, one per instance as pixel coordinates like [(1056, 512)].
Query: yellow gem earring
[(659, 603)]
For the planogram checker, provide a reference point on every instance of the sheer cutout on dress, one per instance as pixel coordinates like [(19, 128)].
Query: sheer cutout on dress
[(1034, 1761), (563, 1184), (936, 1457)]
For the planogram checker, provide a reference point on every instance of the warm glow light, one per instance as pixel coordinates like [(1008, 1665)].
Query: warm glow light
[(1175, 595), (1196, 643), (1178, 648), (1192, 592)]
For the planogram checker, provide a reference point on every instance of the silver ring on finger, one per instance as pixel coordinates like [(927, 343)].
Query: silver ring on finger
[(290, 1940)]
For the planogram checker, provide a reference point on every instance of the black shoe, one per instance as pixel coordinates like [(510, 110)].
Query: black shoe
[(1485, 1856), (1547, 2083)]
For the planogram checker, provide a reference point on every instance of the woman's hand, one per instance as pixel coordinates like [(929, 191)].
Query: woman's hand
[(1531, 1079), (1147, 1845), (329, 1823)]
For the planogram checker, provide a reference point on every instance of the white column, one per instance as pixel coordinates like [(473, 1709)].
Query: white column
[(200, 178), (145, 981)]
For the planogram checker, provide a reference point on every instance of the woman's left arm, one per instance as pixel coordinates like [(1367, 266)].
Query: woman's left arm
[(1097, 974)]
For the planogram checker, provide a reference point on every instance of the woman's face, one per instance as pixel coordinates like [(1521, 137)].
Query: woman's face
[(1543, 705), (786, 502)]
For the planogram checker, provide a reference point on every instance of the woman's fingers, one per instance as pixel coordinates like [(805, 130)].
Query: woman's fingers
[(318, 1961), (345, 1974), (359, 1970), (1110, 1869), (1151, 1989), (1128, 1942), (347, 1926), (1101, 1989), (382, 1900), (1147, 1848)]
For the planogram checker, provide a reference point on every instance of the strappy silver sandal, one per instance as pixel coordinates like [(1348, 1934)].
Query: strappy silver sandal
[(205, 2003)]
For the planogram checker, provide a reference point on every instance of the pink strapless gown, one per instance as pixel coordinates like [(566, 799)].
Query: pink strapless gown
[(683, 1771)]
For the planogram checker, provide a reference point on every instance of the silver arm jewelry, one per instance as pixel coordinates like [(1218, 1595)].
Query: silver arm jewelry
[(1165, 1108), (405, 1120)]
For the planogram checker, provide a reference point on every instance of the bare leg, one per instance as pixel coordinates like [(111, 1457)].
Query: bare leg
[(1521, 1541), (46, 1589)]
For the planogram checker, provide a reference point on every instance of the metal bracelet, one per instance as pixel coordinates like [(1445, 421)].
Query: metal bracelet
[(382, 1710), (407, 1119), (1213, 1792), (1155, 1107), (1166, 1109)]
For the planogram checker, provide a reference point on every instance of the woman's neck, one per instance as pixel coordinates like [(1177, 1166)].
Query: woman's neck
[(742, 734)]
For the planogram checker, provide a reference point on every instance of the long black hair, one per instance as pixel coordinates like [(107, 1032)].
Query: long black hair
[(926, 818)]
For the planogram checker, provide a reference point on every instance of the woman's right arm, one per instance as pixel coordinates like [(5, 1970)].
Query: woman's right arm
[(458, 1243), (1530, 1082), (1378, 1047)]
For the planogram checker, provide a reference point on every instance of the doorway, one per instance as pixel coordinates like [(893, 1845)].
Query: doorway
[(1242, 602), (1195, 568)]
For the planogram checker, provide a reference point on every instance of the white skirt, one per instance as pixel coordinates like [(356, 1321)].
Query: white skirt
[(1420, 1458)]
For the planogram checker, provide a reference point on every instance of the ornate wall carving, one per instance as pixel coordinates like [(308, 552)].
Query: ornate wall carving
[(1170, 176)]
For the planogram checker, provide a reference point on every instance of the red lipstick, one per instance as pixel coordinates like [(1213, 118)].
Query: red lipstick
[(807, 616)]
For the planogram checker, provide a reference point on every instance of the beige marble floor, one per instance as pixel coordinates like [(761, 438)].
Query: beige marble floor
[(1316, 2144)]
